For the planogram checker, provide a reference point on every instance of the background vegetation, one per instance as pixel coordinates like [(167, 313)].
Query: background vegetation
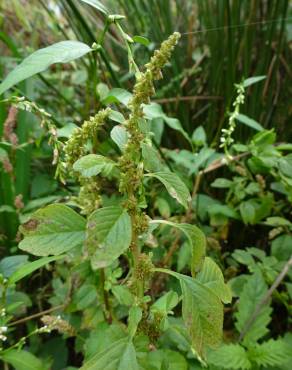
[(243, 206)]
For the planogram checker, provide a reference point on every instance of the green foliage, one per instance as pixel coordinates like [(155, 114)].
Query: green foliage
[(54, 230), (114, 290), (104, 229)]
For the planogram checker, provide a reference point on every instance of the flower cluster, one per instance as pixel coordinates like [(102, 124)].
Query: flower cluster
[(226, 138), (76, 145), (143, 90), (56, 323), (3, 330)]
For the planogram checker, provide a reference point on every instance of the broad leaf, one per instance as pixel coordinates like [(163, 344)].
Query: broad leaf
[(21, 360), (120, 355), (197, 240), (118, 95), (212, 277), (252, 293), (109, 234), (202, 313), (174, 185), (151, 158), (8, 265), (97, 5), (229, 356), (40, 60), (93, 164), (120, 136), (54, 230), (141, 40), (30, 267), (154, 111)]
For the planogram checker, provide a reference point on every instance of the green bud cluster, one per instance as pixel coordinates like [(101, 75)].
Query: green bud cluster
[(89, 198), (143, 90), (76, 145)]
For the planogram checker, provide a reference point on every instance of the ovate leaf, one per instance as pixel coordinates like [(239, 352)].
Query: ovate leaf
[(174, 185), (109, 234), (30, 267), (21, 360), (195, 237), (93, 164), (229, 356), (118, 95), (252, 293), (120, 136), (202, 313), (141, 40), (212, 277), (151, 158), (40, 60), (54, 230), (120, 355)]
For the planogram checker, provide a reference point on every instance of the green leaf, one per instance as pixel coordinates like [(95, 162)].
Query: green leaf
[(282, 247), (54, 230), (212, 277), (30, 267), (195, 237), (222, 210), (116, 116), (248, 212), (270, 353), (67, 130), (229, 356), (40, 60), (85, 296), (151, 158), (21, 360), (97, 5), (165, 303), (285, 165), (252, 80), (249, 122), (93, 164), (277, 221), (199, 136), (118, 95), (174, 185), (120, 355), (164, 359), (141, 40), (109, 234), (221, 183), (252, 293), (202, 313), (135, 316), (154, 110), (8, 265), (120, 136)]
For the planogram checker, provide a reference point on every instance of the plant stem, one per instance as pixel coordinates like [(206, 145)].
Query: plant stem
[(108, 313)]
